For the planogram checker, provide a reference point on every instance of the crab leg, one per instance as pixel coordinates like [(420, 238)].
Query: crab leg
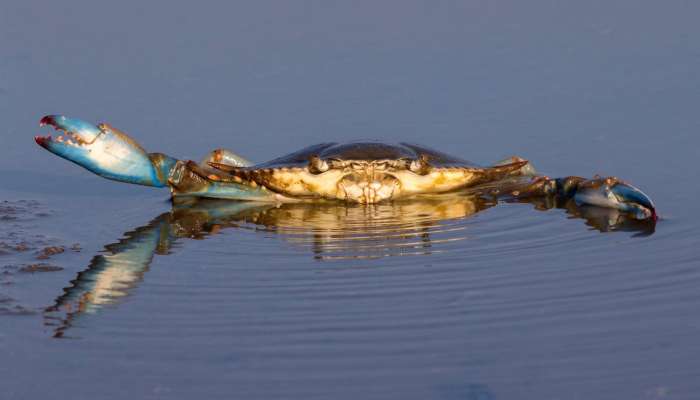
[(609, 192), (112, 154), (105, 151)]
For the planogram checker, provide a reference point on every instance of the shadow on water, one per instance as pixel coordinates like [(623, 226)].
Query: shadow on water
[(330, 231)]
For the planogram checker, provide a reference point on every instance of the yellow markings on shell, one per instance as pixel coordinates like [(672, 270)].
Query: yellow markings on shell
[(300, 182), (364, 186), (436, 181)]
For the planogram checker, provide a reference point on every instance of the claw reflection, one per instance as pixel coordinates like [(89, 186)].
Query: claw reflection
[(598, 218), (330, 231)]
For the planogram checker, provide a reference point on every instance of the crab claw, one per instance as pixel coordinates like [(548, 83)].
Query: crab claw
[(613, 193), (105, 151)]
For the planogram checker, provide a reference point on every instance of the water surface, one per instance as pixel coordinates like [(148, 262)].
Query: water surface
[(454, 299)]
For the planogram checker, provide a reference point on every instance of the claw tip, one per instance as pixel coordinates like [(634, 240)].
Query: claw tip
[(41, 140), (46, 120)]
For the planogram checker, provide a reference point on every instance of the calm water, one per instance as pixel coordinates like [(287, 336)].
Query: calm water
[(445, 299)]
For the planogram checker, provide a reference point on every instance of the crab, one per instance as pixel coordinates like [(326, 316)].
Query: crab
[(355, 172)]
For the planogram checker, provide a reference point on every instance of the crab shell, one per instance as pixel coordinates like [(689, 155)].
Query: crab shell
[(362, 172)]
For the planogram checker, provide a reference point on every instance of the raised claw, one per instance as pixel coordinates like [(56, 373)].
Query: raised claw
[(614, 193), (105, 151)]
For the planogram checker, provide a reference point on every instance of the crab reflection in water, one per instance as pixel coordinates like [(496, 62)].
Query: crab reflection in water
[(331, 231)]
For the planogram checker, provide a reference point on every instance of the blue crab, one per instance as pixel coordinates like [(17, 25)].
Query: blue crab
[(356, 172)]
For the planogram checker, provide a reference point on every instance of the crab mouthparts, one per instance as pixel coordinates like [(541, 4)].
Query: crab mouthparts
[(368, 189)]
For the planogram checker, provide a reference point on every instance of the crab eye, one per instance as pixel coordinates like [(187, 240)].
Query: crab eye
[(419, 167), (317, 165), (381, 166)]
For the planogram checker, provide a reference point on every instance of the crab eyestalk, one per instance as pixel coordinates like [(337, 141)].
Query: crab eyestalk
[(105, 151)]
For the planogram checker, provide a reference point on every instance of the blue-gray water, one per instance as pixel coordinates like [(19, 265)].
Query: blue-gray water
[(335, 302)]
